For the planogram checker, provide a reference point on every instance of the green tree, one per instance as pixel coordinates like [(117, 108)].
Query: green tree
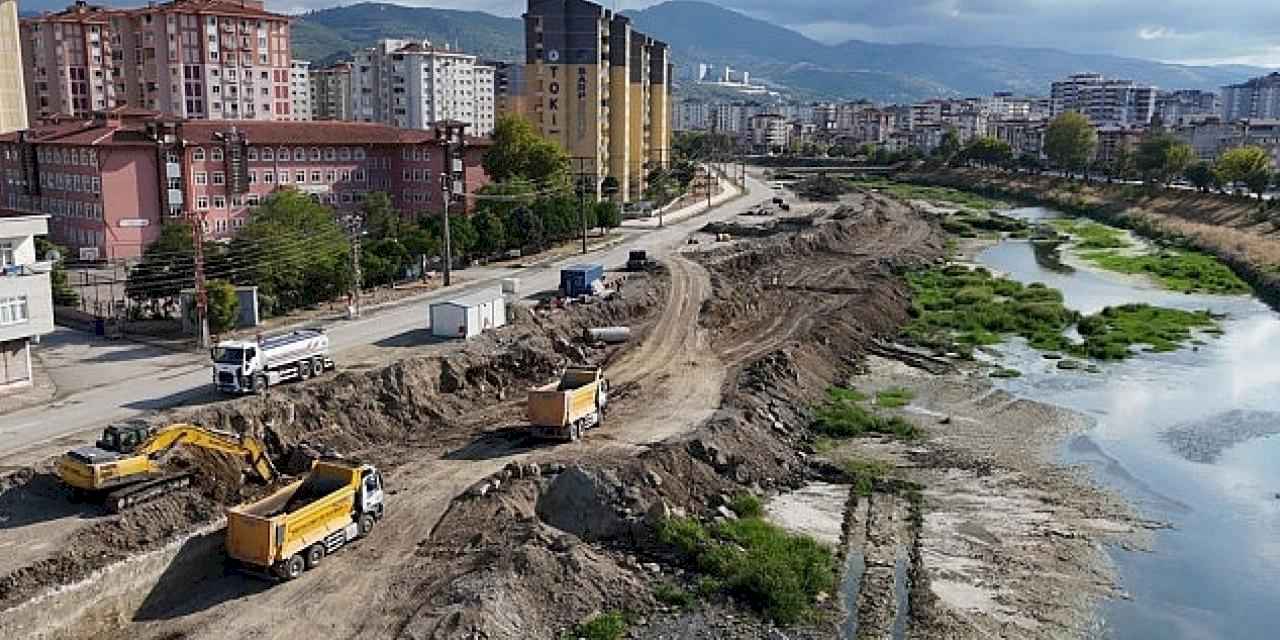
[(1069, 141), (167, 265), (491, 233), (1250, 165), (988, 151), (608, 215), (294, 250), (381, 219), (224, 306), (949, 148), (1162, 157), (519, 152), (383, 261), (525, 229), (1203, 176), (1121, 164)]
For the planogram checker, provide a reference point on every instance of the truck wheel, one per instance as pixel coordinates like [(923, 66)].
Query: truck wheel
[(293, 567), (575, 432), (304, 369), (366, 524), (314, 555), (259, 383), (317, 366)]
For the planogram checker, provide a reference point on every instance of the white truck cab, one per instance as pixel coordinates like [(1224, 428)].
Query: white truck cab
[(250, 366)]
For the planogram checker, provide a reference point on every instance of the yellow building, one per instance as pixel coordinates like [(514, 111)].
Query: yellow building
[(600, 89), (13, 96)]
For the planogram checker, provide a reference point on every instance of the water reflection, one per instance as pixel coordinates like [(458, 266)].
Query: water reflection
[(1216, 575)]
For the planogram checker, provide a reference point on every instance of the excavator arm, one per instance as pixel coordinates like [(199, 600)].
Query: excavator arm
[(251, 449)]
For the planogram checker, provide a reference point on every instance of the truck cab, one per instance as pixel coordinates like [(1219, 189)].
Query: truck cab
[(237, 366)]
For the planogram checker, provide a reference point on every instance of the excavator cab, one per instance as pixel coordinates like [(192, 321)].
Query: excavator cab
[(126, 437)]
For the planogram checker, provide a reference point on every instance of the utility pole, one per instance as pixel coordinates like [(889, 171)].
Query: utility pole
[(581, 176), (202, 295), (355, 226), (452, 137)]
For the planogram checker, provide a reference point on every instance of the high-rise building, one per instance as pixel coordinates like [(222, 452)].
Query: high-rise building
[(508, 87), (412, 84), (201, 59), (600, 89), (331, 93), (1104, 101), (300, 90), (1257, 99), (1174, 107), (13, 98)]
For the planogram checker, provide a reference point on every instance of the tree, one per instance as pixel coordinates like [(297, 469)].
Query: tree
[(1161, 157), (224, 306), (491, 233), (1120, 165), (519, 152), (1203, 176), (167, 265), (382, 261), (988, 151), (1250, 165), (1069, 141), (608, 215), (63, 294), (524, 229), (293, 249), (381, 220), (949, 148)]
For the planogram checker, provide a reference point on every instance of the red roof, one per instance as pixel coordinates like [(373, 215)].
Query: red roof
[(309, 132), (248, 8)]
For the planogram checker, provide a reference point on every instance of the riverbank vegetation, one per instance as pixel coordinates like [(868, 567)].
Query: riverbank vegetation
[(956, 309), (946, 195), (1184, 271), (1090, 235), (843, 416)]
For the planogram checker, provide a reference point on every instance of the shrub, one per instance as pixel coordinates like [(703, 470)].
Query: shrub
[(606, 626), (224, 306), (894, 397), (670, 594), (864, 474), (746, 505)]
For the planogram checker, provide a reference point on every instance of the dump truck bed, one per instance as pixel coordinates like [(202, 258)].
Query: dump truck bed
[(563, 402), (303, 513)]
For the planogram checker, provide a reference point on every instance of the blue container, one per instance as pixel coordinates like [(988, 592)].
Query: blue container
[(577, 280)]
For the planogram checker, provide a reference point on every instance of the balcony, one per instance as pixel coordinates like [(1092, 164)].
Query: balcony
[(31, 282)]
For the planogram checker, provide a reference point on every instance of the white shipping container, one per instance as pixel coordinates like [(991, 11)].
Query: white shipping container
[(469, 315)]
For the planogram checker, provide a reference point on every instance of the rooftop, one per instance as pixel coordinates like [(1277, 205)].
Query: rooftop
[(309, 132)]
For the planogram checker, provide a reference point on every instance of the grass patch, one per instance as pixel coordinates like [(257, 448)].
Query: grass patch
[(955, 308), (844, 394), (606, 626), (746, 505), (1091, 235), (777, 573), (1006, 373), (824, 444), (842, 417), (864, 474), (932, 194), (1184, 271), (672, 595), (894, 397)]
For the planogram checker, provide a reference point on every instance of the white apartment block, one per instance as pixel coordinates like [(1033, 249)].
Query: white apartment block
[(26, 296), (300, 90), (1257, 98), (331, 95), (1104, 101), (412, 84)]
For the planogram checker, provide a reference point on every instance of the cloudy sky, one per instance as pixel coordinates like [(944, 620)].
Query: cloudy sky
[(1200, 31)]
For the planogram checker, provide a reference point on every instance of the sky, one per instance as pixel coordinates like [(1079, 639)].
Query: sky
[(1193, 31)]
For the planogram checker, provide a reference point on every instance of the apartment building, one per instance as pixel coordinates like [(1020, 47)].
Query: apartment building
[(299, 90), (872, 126), (199, 59), (1210, 138), (1176, 107), (770, 133), (412, 84), (331, 93), (13, 97), (693, 115), (110, 182), (599, 88), (26, 296), (1104, 101), (508, 87), (1256, 98)]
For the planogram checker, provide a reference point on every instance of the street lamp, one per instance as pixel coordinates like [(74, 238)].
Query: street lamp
[(451, 134)]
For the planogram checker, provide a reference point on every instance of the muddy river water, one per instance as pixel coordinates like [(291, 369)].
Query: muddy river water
[(1192, 438)]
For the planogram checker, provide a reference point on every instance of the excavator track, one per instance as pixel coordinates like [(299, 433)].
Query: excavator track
[(147, 490)]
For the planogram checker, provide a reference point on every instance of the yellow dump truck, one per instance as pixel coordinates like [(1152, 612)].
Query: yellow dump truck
[(295, 528), (564, 409)]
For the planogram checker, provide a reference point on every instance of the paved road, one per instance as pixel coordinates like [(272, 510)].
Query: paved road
[(124, 381)]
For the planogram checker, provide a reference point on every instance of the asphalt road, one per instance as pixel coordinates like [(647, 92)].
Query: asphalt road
[(130, 380)]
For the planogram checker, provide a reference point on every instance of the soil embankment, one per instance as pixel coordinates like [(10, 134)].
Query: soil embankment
[(1236, 229)]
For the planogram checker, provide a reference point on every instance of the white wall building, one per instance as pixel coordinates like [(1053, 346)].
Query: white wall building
[(26, 301), (1257, 98), (411, 84), (300, 90), (1104, 100)]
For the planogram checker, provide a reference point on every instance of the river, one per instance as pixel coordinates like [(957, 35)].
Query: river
[(1191, 437)]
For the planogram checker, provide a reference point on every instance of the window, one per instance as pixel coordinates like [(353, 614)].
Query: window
[(202, 178), (236, 201), (253, 153), (315, 154), (315, 177), (408, 174), (216, 154), (202, 203), (268, 154), (330, 154), (13, 310), (6, 254), (284, 177), (251, 200), (197, 153), (219, 178), (300, 177), (299, 154), (358, 153), (253, 177), (344, 153), (219, 202), (358, 176), (95, 184), (268, 177)]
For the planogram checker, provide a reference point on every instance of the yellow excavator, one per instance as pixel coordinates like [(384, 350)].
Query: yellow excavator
[(125, 467)]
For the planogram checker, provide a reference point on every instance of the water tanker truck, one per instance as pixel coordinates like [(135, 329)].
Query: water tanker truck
[(250, 366)]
